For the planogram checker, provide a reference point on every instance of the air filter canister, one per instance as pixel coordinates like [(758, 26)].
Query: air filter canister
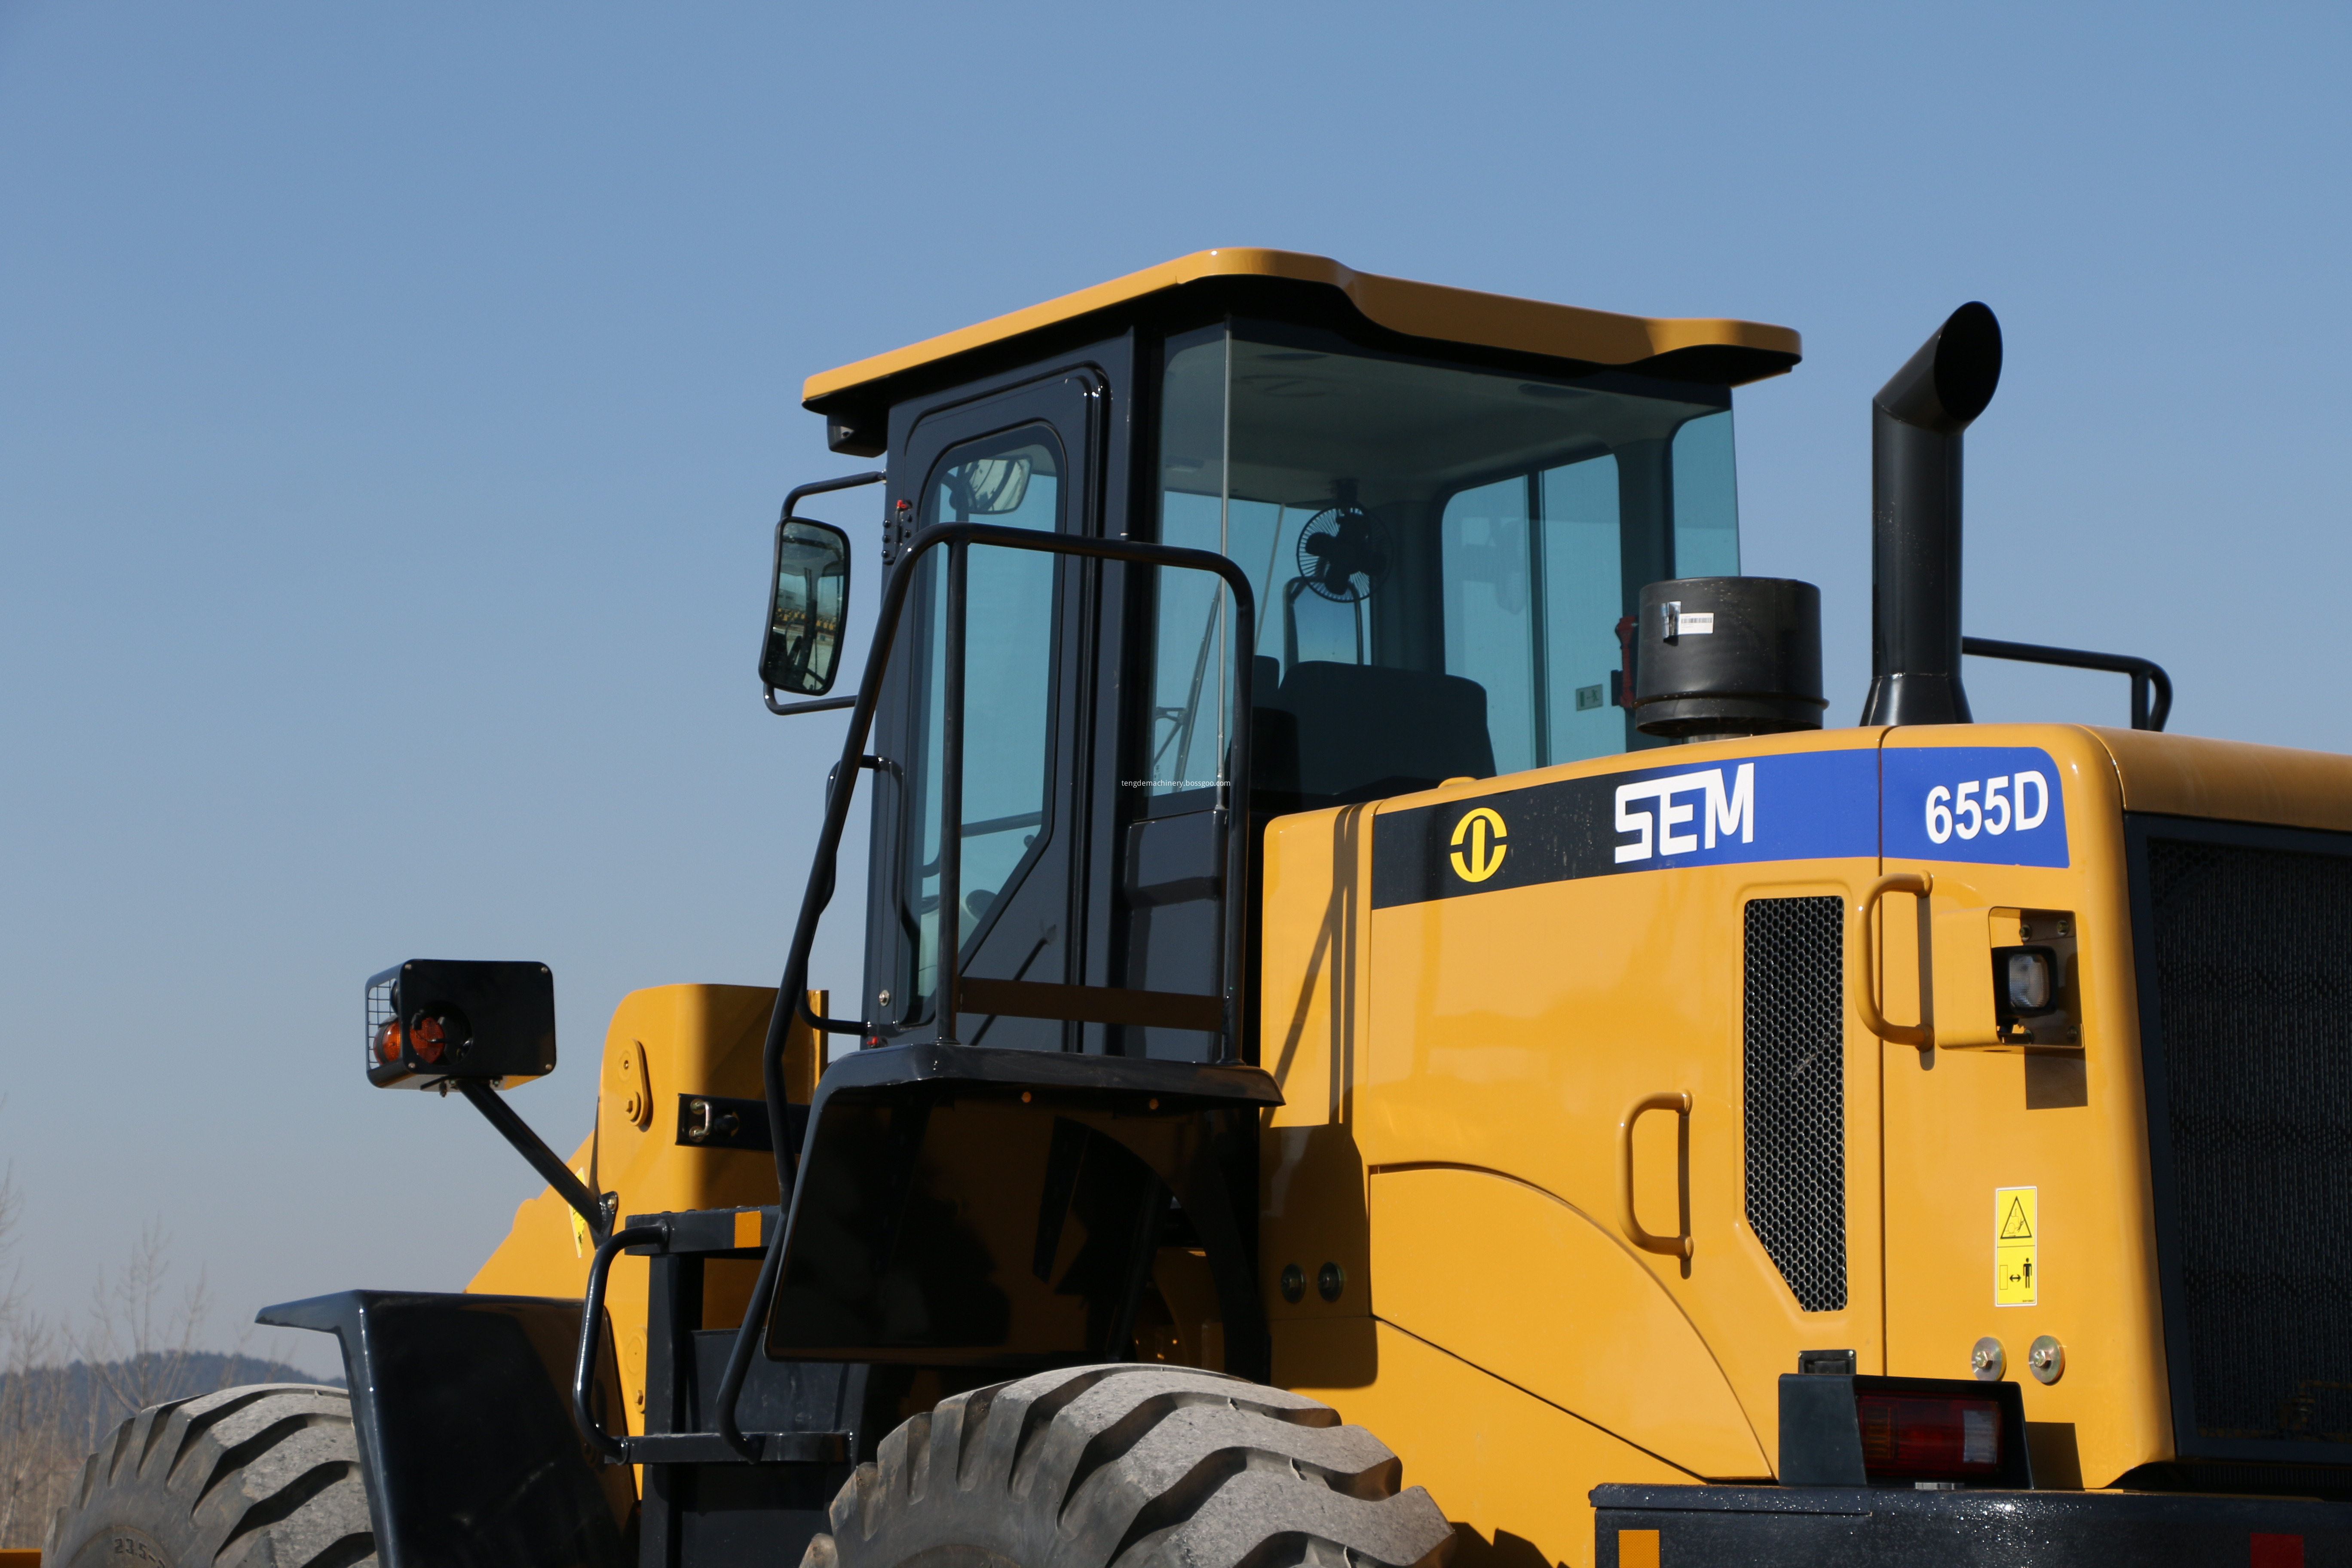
[(1728, 656)]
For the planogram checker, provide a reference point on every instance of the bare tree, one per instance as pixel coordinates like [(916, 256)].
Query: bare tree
[(138, 1343), (63, 1388), (38, 1445)]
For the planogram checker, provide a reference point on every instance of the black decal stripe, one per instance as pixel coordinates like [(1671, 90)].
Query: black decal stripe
[(1552, 833)]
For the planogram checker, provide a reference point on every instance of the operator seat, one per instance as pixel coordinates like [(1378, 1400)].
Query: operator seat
[(1365, 731)]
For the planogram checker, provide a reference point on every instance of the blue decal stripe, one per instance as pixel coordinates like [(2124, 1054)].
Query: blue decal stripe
[(1988, 806)]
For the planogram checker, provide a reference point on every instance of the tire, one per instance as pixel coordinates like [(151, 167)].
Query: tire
[(1141, 1466), (266, 1477)]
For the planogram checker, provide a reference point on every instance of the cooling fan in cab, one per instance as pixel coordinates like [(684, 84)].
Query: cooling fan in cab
[(1343, 554)]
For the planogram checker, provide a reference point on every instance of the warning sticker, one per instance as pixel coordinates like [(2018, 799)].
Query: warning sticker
[(2016, 1246)]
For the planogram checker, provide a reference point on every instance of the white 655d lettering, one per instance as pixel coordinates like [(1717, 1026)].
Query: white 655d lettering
[(2007, 802)]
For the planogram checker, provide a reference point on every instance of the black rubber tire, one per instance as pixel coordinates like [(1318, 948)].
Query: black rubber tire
[(265, 1477), (1139, 1466)]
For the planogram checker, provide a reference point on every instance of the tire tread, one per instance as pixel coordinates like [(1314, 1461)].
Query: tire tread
[(1133, 1465), (260, 1477)]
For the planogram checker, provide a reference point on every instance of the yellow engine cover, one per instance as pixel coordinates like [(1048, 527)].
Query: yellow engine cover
[(1537, 1136)]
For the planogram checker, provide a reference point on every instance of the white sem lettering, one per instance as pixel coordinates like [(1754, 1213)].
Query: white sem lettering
[(1736, 810), (1634, 821), (1996, 823), (2041, 800), (1964, 806), (1669, 815), (1725, 812), (1939, 814)]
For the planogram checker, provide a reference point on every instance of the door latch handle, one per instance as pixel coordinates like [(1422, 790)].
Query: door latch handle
[(1670, 1246), (1865, 968)]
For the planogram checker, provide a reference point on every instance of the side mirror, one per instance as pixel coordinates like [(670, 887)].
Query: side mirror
[(432, 1020), (808, 610)]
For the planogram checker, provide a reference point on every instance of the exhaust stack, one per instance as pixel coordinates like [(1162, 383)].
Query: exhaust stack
[(1916, 423)]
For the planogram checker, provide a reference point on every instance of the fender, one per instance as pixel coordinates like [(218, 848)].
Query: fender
[(462, 1406)]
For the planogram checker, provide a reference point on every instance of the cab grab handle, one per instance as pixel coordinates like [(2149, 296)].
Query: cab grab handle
[(1670, 1246), (1865, 966)]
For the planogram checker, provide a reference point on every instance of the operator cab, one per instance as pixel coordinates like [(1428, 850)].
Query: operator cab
[(1443, 502)]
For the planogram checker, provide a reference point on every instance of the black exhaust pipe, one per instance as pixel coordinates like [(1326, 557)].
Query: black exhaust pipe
[(1916, 423)]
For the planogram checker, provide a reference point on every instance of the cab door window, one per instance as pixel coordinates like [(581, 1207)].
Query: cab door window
[(1014, 480)]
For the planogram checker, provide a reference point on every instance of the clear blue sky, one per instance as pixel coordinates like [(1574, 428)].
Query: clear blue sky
[(394, 402)]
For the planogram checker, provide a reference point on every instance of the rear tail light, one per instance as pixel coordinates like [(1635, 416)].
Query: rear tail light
[(1844, 1429), (1915, 1439)]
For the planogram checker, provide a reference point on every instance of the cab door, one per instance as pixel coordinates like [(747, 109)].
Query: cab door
[(1023, 457)]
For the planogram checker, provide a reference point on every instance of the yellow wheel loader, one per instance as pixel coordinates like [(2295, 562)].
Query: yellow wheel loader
[(1391, 1030)]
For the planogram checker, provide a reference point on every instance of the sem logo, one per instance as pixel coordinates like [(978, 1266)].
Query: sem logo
[(1479, 845), (1727, 811)]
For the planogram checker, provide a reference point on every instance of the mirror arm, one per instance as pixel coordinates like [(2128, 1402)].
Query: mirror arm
[(823, 704), (848, 482), (543, 1159)]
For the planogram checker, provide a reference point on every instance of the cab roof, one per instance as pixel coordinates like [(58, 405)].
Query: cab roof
[(1718, 351)]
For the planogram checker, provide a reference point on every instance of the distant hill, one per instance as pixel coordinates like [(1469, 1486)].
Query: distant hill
[(91, 1398)]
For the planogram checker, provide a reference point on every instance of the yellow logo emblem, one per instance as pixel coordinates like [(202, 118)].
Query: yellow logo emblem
[(1479, 845)]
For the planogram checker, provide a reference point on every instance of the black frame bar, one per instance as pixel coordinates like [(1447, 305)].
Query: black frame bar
[(2144, 672), (1899, 1527), (952, 693)]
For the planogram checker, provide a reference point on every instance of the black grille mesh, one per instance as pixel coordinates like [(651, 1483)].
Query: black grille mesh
[(2254, 981), (1794, 1078)]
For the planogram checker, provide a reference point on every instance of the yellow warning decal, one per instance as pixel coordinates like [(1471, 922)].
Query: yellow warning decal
[(2016, 1246)]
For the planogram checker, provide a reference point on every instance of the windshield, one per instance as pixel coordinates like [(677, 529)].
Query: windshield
[(1440, 556)]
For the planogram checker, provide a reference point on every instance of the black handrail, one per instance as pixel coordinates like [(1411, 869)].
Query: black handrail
[(792, 1000), (2144, 672), (592, 1323)]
